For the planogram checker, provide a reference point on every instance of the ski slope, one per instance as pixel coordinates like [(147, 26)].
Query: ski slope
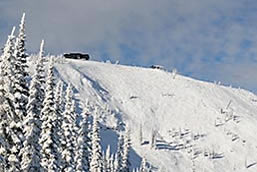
[(199, 126)]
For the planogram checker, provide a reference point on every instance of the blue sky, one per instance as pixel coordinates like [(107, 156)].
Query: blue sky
[(205, 39)]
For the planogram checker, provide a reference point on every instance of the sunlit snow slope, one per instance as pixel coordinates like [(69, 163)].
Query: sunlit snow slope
[(199, 126)]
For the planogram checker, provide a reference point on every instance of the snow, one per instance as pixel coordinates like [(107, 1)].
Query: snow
[(201, 124)]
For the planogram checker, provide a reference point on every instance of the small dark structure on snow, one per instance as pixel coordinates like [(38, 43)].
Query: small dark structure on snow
[(157, 67), (76, 56)]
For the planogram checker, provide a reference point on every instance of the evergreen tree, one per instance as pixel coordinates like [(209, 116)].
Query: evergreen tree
[(87, 109), (49, 139), (84, 148), (143, 167), (59, 98), (59, 108), (108, 159), (20, 67), (104, 162), (125, 155), (13, 128), (120, 153), (32, 122), (5, 119), (19, 85), (116, 165), (7, 60), (40, 69), (39, 80), (111, 163), (68, 142), (21, 50), (134, 170), (96, 160)]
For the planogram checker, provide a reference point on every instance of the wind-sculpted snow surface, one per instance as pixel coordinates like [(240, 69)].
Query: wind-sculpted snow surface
[(187, 125)]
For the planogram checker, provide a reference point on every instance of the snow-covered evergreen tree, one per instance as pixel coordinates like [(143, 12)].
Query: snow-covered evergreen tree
[(20, 67), (68, 141), (135, 170), (108, 159), (96, 160), (7, 60), (13, 127), (119, 153), (125, 155), (40, 69), (111, 163), (59, 100), (116, 166), (32, 127), (5, 118), (49, 139), (21, 50), (32, 122), (87, 109), (37, 86), (143, 167), (84, 148), (104, 162)]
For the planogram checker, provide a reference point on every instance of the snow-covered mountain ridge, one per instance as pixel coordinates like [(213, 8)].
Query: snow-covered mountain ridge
[(199, 126)]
